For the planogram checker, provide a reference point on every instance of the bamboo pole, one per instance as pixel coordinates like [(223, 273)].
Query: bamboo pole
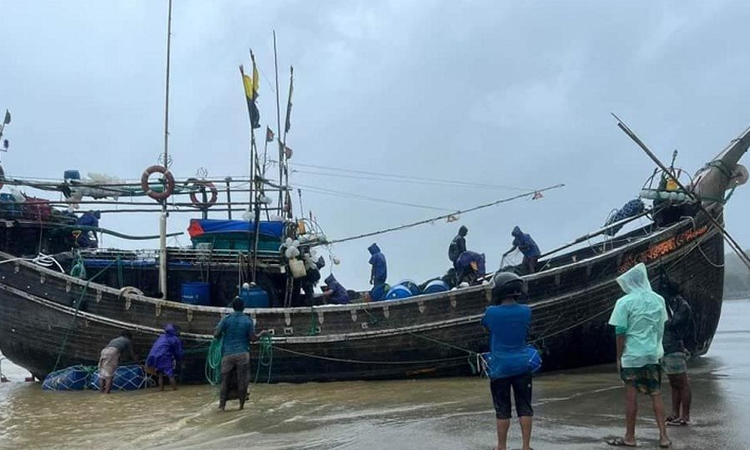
[(727, 237)]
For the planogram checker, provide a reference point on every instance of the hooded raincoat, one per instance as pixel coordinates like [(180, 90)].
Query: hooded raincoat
[(639, 315), (379, 268), (338, 296), (525, 243), (166, 351)]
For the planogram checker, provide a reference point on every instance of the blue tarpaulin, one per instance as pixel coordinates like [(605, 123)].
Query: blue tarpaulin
[(199, 227)]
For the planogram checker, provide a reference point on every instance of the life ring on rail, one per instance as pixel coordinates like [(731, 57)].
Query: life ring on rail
[(206, 184), (168, 189)]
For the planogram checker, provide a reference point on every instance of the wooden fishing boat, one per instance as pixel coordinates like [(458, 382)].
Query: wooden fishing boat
[(50, 319)]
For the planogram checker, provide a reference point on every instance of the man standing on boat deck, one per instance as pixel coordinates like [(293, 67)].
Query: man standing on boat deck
[(237, 331), (676, 330), (639, 319), (379, 272), (508, 364), (457, 246), (109, 359), (525, 243)]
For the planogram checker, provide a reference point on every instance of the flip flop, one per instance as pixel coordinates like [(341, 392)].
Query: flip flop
[(619, 442), (667, 445), (678, 423)]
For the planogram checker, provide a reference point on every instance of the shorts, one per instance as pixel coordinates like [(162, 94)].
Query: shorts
[(500, 388), (646, 379), (674, 363), (109, 359)]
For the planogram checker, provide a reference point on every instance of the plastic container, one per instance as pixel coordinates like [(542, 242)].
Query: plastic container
[(398, 292), (412, 286), (197, 293), (297, 268), (72, 174), (126, 378), (70, 379), (436, 286), (255, 297)]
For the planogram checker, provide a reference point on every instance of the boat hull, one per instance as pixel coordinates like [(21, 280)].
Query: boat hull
[(50, 320)]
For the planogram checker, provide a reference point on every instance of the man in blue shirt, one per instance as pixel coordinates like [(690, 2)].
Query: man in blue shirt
[(237, 331), (508, 364)]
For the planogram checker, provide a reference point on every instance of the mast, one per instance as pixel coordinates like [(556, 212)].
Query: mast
[(278, 127), (164, 213)]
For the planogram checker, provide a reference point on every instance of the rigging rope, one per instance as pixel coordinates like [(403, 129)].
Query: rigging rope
[(446, 216)]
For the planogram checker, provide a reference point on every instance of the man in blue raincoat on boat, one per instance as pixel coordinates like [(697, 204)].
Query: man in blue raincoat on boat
[(378, 273), (334, 292), (526, 245), (87, 238), (165, 354)]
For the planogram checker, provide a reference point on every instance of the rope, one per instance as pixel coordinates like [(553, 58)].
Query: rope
[(213, 362), (265, 357), (75, 315), (445, 216)]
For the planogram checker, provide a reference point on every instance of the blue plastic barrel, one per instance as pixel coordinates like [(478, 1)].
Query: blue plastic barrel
[(197, 293), (436, 286), (397, 292), (72, 175), (255, 297), (412, 286)]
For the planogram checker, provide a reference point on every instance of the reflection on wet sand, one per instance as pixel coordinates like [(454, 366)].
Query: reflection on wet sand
[(575, 410)]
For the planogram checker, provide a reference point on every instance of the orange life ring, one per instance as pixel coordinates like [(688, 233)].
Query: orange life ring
[(208, 185), (168, 189)]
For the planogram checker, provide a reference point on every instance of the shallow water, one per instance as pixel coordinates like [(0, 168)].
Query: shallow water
[(574, 410)]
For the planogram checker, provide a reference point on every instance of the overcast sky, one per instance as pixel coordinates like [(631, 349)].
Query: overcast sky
[(511, 94)]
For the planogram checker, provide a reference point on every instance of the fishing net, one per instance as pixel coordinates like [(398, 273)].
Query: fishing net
[(69, 379), (127, 378)]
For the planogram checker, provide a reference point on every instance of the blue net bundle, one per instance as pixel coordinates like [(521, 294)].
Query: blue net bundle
[(69, 379), (127, 378)]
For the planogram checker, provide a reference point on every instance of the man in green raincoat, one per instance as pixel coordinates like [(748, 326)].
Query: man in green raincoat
[(639, 319)]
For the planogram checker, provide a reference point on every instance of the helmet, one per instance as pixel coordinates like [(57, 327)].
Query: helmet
[(504, 285)]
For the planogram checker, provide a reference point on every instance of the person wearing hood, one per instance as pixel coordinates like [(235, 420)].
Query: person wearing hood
[(525, 243), (457, 246), (379, 271), (87, 238), (639, 317), (334, 292), (165, 354)]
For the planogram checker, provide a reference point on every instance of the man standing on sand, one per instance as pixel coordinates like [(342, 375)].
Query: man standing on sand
[(508, 363), (237, 331), (109, 359), (676, 355), (639, 319)]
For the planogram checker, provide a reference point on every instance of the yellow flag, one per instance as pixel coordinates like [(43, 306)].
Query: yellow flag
[(248, 84)]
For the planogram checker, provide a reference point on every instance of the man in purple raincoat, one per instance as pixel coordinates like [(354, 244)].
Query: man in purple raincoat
[(164, 355)]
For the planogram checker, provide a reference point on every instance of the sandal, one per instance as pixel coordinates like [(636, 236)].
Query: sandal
[(667, 445), (678, 423), (672, 418), (619, 442)]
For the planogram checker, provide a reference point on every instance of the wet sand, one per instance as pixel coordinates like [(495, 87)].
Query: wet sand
[(574, 410)]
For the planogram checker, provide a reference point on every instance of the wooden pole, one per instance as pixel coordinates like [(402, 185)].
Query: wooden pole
[(278, 123), (727, 237), (164, 212)]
